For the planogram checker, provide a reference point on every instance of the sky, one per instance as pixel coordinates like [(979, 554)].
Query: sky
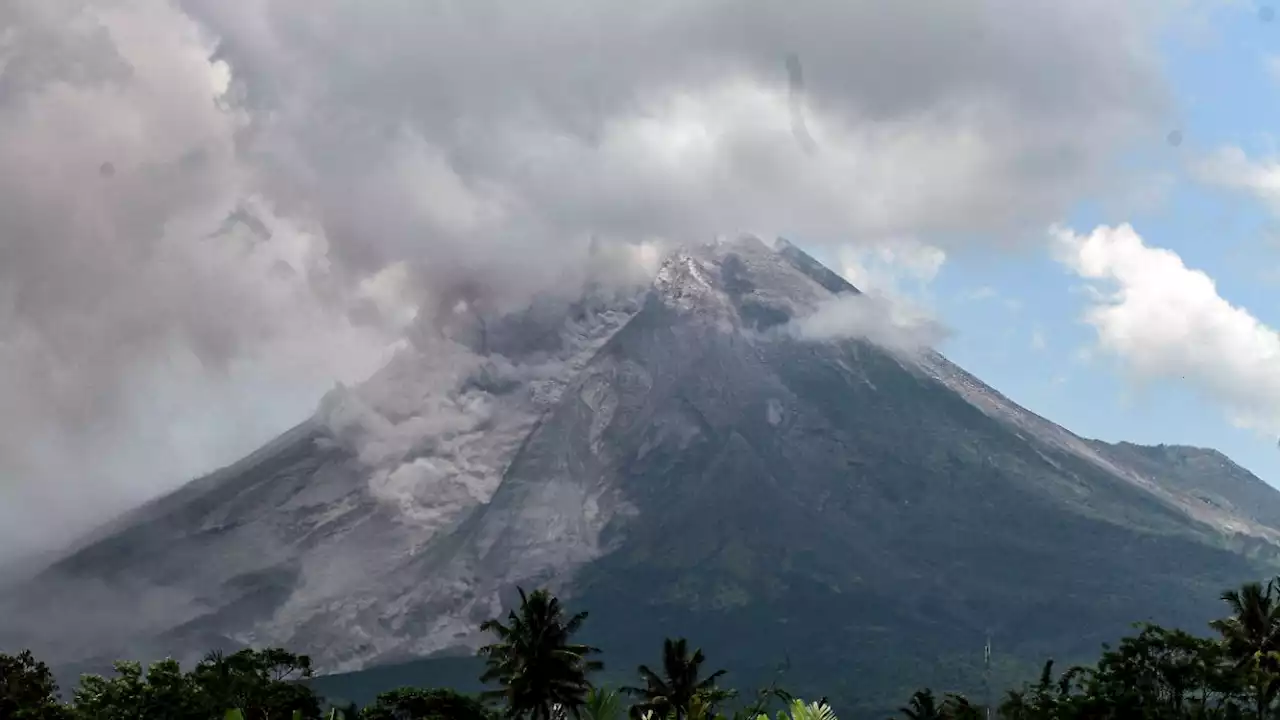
[(1167, 333), (212, 212)]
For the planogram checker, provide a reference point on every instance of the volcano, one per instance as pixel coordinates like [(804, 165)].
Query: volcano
[(745, 452)]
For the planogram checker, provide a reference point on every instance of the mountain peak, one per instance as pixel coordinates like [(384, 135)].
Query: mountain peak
[(676, 464), (745, 283)]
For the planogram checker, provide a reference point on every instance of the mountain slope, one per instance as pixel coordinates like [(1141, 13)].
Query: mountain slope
[(688, 462), (1206, 476)]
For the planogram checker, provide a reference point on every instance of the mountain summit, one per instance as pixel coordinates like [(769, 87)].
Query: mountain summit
[(748, 452)]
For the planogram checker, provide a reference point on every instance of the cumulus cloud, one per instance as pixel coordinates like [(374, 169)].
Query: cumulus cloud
[(1162, 319), (210, 210)]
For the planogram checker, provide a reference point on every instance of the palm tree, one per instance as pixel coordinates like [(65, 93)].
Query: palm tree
[(220, 675), (1251, 637), (958, 707), (603, 704), (796, 709), (923, 705), (800, 710), (543, 675), (674, 691), (1015, 706)]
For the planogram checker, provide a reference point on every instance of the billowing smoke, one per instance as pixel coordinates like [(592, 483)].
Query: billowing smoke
[(210, 211)]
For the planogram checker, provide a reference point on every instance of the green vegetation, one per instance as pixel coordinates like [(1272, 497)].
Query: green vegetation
[(537, 672), (678, 689)]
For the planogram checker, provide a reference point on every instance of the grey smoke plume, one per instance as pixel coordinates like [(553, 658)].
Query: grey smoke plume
[(210, 211)]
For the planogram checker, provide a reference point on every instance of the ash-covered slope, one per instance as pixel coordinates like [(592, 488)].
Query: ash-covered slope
[(1199, 476), (302, 542), (690, 462)]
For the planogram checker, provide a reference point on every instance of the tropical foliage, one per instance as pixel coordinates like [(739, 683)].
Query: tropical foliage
[(257, 685), (604, 704), (539, 672), (419, 704), (28, 690), (680, 685)]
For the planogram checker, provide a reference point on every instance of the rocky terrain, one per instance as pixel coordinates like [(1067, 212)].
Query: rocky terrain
[(744, 452)]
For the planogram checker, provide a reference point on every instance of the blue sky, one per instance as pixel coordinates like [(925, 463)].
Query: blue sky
[(1225, 94)]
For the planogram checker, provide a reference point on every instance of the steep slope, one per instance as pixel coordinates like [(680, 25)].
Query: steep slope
[(306, 532), (1222, 489), (686, 463), (1200, 473)]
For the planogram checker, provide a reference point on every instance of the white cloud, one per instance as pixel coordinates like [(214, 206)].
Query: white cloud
[(892, 323), (1258, 179), (1229, 167), (894, 309), (895, 266), (1162, 319)]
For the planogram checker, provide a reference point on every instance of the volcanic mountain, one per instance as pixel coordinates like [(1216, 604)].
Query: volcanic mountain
[(746, 452)]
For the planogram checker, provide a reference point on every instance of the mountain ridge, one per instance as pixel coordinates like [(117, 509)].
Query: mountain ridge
[(683, 459)]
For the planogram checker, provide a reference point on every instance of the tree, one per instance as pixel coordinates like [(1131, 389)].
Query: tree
[(769, 693), (257, 684), (418, 704), (958, 707), (604, 704), (1161, 673), (799, 710), (261, 684), (674, 690), (1251, 636), (923, 705), (162, 691), (1046, 699), (540, 671), (796, 709), (28, 690)]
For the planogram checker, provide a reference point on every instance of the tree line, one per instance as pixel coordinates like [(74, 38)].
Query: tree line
[(536, 671)]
